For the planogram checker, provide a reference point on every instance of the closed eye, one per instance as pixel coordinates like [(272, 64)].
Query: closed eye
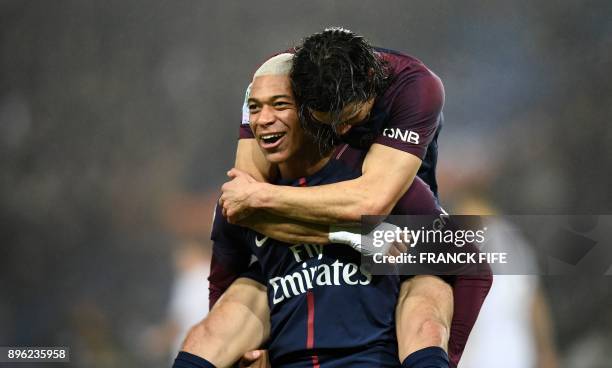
[(281, 104)]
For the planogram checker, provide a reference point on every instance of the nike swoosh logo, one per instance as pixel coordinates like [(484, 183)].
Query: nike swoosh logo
[(261, 242)]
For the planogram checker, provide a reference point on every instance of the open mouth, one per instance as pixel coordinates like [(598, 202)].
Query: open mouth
[(271, 140)]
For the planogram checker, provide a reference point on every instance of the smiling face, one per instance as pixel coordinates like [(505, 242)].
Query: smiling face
[(273, 117)]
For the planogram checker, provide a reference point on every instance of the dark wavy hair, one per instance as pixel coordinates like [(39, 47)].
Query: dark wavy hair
[(322, 135), (332, 69)]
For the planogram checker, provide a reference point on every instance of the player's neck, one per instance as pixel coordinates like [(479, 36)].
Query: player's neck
[(305, 163)]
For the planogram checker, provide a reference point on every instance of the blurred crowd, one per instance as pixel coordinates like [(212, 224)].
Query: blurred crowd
[(118, 121)]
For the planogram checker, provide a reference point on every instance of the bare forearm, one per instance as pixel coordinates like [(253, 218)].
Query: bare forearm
[(386, 175), (287, 230), (335, 203)]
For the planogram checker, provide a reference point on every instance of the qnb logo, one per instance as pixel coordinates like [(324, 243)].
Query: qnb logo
[(336, 274), (408, 136)]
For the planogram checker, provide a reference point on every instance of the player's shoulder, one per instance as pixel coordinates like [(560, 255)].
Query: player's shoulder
[(405, 68), (390, 54), (412, 84)]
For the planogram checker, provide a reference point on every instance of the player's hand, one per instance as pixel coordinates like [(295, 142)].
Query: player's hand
[(370, 244), (391, 248), (237, 195), (255, 359)]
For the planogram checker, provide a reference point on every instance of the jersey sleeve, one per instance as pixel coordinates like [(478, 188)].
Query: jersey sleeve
[(231, 256), (418, 200), (255, 273), (414, 115), (245, 128)]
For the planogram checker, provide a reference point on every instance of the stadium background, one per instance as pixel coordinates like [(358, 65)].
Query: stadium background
[(118, 120)]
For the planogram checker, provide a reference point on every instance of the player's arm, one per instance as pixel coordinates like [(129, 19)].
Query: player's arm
[(239, 316), (251, 160), (230, 256), (283, 228), (287, 230), (293, 231), (387, 174)]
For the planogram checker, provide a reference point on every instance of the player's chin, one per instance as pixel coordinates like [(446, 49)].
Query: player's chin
[(277, 156)]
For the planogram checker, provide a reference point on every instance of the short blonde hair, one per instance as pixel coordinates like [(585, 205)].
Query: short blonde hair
[(278, 65)]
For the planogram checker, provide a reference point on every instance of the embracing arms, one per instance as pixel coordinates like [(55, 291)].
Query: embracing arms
[(386, 175)]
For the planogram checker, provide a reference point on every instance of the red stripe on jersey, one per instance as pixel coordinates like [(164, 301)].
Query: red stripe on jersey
[(310, 332), (311, 306)]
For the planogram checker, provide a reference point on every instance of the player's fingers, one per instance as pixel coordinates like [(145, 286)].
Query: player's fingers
[(401, 247), (235, 173), (231, 215), (224, 186)]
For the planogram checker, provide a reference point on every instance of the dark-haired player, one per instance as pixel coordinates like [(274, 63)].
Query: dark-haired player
[(375, 99), (326, 309)]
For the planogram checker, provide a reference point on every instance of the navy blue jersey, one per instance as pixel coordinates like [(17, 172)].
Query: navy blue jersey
[(326, 309)]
